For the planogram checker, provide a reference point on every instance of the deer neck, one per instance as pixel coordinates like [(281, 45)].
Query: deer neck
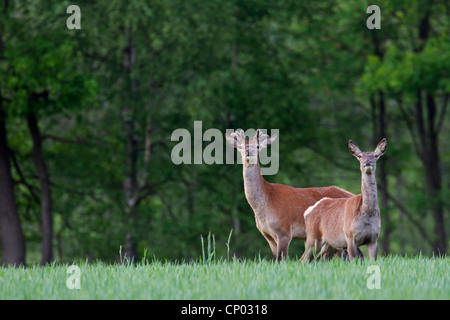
[(254, 186), (369, 195)]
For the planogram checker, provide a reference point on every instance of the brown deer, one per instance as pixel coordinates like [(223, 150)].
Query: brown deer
[(336, 224), (278, 208)]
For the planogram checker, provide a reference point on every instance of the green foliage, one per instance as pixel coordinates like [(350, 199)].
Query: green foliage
[(406, 72), (309, 69)]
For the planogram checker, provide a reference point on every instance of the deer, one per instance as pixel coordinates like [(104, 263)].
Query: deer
[(278, 208), (338, 224)]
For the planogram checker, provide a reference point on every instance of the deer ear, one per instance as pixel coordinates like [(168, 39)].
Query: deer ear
[(236, 139), (264, 139), (231, 139), (354, 149), (381, 148), (271, 139)]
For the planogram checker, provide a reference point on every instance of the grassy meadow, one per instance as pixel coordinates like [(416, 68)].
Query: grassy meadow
[(400, 278)]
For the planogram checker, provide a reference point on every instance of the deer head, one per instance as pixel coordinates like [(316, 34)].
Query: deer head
[(367, 160), (249, 148)]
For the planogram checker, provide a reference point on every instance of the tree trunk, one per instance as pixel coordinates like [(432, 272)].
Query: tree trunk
[(385, 243), (44, 182), (434, 179), (236, 221), (429, 137), (429, 155), (130, 181), (379, 132), (12, 239), (13, 242), (130, 187), (427, 148)]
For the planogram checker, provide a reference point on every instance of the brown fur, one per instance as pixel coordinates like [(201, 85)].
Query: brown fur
[(288, 206), (336, 224), (278, 208)]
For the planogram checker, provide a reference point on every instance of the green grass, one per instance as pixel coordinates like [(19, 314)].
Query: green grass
[(401, 278)]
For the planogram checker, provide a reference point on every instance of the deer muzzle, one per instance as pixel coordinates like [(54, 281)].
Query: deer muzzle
[(368, 169)]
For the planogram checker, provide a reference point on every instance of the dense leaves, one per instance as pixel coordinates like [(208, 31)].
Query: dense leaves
[(108, 96)]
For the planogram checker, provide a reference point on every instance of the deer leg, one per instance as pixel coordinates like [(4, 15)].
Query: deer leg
[(327, 252), (308, 255), (352, 249), (282, 247), (372, 248), (310, 250), (272, 244), (305, 255), (343, 254), (360, 254)]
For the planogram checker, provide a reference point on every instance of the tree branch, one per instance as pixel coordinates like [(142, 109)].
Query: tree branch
[(22, 177), (409, 125), (144, 192), (332, 160), (409, 215), (442, 115), (167, 205), (63, 140)]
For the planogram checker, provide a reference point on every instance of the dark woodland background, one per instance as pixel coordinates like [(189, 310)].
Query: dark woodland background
[(86, 118)]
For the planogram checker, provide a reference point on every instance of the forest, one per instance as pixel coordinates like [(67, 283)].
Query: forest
[(87, 117)]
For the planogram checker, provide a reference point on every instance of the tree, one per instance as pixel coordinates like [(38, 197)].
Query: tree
[(12, 239), (88, 115), (13, 242), (43, 78), (412, 74)]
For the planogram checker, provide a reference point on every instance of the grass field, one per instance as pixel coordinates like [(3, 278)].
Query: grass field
[(400, 278)]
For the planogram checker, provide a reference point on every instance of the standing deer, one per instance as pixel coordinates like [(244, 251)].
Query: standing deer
[(278, 208), (333, 224)]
